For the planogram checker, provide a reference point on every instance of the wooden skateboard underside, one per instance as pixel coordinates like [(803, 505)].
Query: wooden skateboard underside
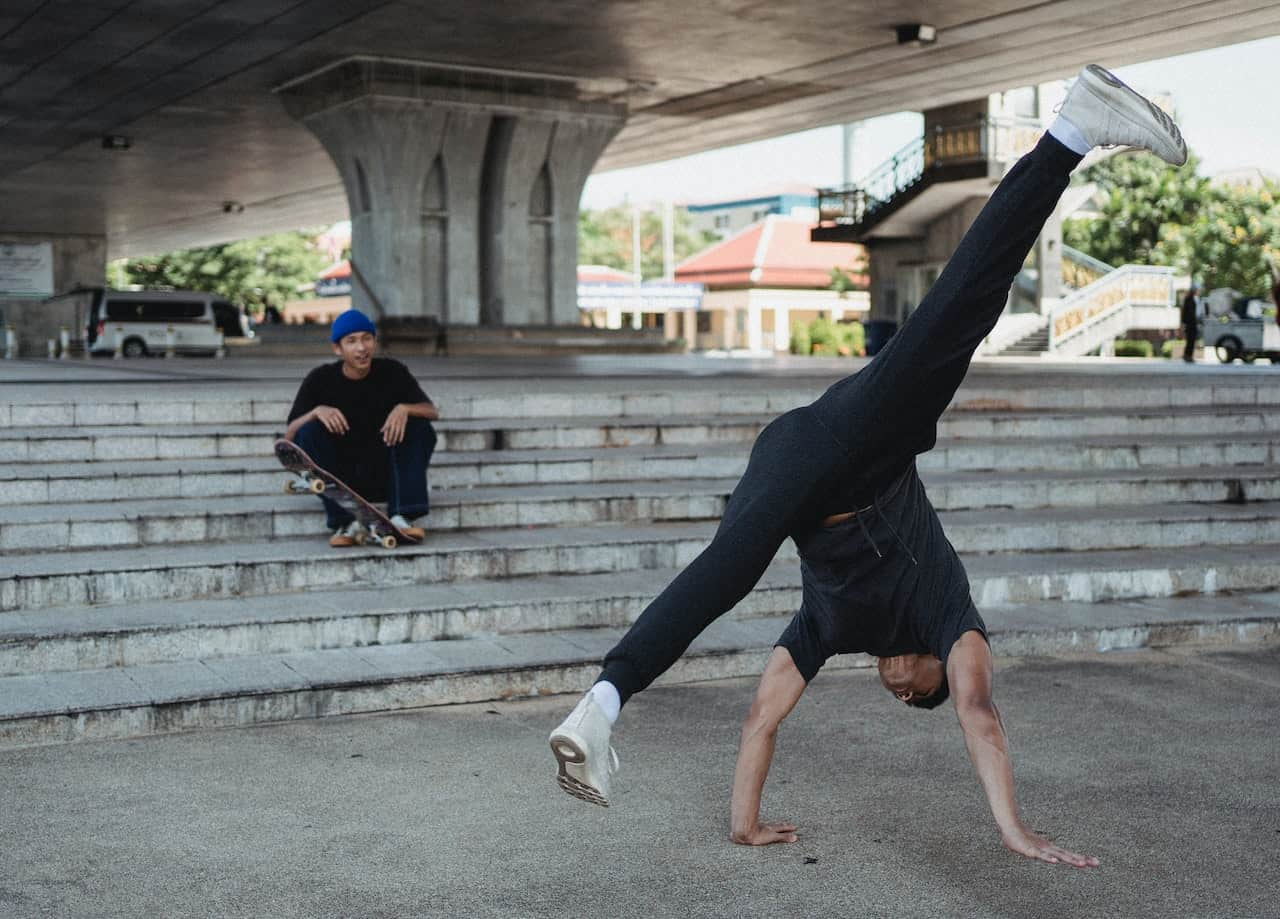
[(308, 478)]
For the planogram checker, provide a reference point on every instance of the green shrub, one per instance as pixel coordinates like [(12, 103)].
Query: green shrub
[(1168, 345), (853, 338), (1126, 347), (823, 335), (800, 341)]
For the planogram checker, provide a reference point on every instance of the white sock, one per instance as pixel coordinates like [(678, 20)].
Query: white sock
[(1067, 134), (606, 696)]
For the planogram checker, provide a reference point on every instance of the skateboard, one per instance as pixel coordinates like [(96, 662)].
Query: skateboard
[(308, 478)]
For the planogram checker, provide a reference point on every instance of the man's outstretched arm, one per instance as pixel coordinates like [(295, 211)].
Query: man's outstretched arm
[(781, 686), (969, 675)]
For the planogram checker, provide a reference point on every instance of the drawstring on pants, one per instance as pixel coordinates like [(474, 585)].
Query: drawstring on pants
[(875, 505)]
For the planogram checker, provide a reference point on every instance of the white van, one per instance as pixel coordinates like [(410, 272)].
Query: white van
[(141, 320)]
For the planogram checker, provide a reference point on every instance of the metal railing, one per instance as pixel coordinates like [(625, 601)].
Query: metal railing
[(1088, 317), (997, 140), (1080, 270)]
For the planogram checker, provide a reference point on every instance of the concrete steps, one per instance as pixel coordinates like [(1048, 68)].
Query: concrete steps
[(263, 567), (71, 638), (258, 474), (1046, 388), (160, 521), (153, 577), (144, 442), (128, 701)]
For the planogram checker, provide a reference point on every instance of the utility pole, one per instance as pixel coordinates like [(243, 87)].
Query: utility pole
[(669, 240), (635, 260)]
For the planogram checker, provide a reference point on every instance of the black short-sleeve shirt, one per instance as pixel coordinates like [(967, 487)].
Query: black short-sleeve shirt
[(886, 582), (365, 403)]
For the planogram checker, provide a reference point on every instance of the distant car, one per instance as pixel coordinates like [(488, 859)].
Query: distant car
[(1236, 327), (142, 319)]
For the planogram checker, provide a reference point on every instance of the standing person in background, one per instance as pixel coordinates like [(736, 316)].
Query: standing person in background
[(366, 420), (1190, 323)]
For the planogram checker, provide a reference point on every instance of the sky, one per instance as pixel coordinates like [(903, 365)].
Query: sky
[(1224, 99)]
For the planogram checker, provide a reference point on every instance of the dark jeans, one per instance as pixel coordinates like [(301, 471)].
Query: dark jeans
[(1191, 331), (861, 434), (375, 471)]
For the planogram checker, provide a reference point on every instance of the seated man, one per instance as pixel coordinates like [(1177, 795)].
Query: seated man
[(839, 478), (366, 420)]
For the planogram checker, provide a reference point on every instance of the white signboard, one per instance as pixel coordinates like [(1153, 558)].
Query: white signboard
[(26, 269)]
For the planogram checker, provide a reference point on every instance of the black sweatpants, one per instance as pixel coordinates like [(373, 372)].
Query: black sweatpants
[(839, 452)]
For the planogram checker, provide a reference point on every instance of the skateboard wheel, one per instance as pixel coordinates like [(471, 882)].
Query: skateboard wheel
[(290, 487), (388, 541), (317, 486)]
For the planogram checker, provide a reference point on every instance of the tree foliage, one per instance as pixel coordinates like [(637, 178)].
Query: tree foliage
[(256, 273), (1155, 214), (605, 238)]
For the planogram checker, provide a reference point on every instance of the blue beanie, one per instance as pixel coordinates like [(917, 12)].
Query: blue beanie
[(351, 321)]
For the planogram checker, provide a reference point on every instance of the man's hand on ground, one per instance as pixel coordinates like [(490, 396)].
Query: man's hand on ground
[(1032, 846), (764, 834), (393, 427), (334, 421)]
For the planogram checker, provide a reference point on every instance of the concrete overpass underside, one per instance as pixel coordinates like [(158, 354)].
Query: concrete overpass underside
[(201, 89)]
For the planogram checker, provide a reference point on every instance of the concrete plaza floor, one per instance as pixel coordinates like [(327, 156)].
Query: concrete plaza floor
[(1165, 765)]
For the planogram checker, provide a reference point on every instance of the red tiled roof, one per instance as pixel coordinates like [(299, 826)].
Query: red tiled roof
[(776, 252), (602, 273)]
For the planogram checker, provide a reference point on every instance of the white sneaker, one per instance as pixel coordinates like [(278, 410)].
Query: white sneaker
[(346, 536), (1111, 114), (581, 747), (407, 528)]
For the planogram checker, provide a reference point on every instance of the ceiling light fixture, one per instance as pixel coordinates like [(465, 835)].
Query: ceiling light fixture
[(916, 33)]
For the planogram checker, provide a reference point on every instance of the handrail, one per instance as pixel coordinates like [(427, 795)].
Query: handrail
[(1125, 287), (991, 139), (1080, 270)]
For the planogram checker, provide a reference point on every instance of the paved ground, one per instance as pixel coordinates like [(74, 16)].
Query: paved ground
[(1166, 766)]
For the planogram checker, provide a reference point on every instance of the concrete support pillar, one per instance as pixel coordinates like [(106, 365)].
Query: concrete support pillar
[(1049, 260), (76, 262), (463, 185), (781, 329), (755, 331)]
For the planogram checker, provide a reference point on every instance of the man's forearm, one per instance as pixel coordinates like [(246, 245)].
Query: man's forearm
[(988, 748), (755, 754), (425, 410)]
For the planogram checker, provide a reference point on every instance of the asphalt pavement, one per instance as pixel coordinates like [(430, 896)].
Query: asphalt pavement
[(1164, 765)]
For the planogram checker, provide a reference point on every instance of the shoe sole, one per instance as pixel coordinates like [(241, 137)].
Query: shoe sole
[(1132, 103), (568, 753)]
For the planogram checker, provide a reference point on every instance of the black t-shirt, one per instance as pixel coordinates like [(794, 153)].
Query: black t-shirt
[(365, 403), (864, 592)]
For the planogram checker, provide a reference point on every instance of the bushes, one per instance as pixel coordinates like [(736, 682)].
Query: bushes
[(822, 336), (801, 343), (1129, 348), (1168, 345)]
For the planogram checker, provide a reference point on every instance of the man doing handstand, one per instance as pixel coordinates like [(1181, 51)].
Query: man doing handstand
[(839, 477)]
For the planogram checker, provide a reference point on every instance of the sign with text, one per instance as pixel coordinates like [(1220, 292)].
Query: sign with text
[(649, 297), (26, 269)]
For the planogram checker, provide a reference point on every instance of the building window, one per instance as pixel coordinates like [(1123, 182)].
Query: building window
[(760, 214), (704, 322), (722, 222)]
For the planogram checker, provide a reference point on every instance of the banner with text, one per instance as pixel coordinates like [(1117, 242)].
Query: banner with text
[(26, 269)]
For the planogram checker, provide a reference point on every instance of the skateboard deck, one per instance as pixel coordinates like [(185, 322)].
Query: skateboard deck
[(308, 478)]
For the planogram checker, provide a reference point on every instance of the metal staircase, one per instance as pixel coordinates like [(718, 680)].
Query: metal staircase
[(979, 149)]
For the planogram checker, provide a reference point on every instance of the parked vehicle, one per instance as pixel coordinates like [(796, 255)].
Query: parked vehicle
[(1236, 327), (142, 321)]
